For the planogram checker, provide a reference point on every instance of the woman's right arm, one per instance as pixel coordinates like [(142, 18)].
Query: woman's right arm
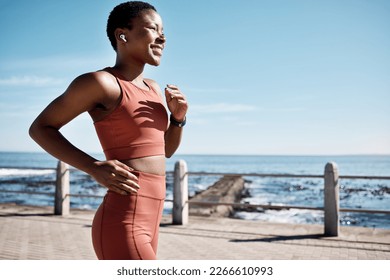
[(82, 95)]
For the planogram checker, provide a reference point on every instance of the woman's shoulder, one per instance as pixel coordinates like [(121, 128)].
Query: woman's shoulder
[(97, 83), (97, 78), (98, 87)]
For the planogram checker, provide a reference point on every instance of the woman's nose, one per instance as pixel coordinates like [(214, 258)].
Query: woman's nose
[(162, 38)]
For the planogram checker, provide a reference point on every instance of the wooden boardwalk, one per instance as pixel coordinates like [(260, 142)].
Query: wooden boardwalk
[(28, 233)]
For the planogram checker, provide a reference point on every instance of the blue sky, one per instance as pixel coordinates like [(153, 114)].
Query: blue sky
[(262, 77)]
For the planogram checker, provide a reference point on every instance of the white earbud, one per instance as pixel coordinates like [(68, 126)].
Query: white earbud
[(122, 36)]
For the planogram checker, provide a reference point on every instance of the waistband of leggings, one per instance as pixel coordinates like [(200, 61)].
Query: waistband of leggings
[(151, 185), (148, 175)]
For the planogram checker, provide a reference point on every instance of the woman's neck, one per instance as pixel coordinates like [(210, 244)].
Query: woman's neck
[(131, 71)]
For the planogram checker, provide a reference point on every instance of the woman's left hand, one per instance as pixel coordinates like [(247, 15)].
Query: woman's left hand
[(177, 102)]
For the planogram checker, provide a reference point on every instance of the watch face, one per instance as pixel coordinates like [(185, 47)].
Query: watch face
[(183, 122)]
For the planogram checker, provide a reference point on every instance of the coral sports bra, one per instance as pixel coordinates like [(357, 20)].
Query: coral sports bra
[(136, 127)]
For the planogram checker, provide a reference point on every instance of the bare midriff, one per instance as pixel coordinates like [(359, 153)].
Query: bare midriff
[(150, 164)]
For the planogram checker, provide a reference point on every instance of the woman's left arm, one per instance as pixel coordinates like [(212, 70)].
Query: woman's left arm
[(178, 106)]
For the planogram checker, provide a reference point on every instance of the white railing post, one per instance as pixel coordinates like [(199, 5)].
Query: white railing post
[(62, 200), (331, 200), (180, 194)]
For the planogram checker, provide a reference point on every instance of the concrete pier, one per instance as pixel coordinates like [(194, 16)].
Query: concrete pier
[(226, 190), (28, 232)]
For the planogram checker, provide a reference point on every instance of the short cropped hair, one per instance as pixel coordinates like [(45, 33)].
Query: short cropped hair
[(122, 15)]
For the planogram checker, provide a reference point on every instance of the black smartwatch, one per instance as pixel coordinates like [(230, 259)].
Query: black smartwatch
[(177, 123)]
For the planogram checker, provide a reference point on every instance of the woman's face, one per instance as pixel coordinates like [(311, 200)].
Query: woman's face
[(145, 40)]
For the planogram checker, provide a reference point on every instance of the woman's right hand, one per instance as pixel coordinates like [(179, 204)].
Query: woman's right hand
[(115, 176)]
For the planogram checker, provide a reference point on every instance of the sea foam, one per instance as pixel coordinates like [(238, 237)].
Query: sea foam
[(9, 172)]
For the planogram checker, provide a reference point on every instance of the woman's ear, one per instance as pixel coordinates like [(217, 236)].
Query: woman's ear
[(120, 35)]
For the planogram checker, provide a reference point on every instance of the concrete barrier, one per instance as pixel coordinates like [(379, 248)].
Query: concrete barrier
[(61, 199), (180, 210), (180, 194), (331, 200)]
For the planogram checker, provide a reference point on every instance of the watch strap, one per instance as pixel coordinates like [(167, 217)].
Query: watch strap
[(177, 123)]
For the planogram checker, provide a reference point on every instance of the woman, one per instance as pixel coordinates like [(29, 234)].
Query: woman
[(132, 125)]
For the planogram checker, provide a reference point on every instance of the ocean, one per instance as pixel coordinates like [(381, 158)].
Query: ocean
[(17, 173)]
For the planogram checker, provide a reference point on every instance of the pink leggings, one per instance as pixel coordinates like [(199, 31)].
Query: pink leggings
[(126, 227)]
